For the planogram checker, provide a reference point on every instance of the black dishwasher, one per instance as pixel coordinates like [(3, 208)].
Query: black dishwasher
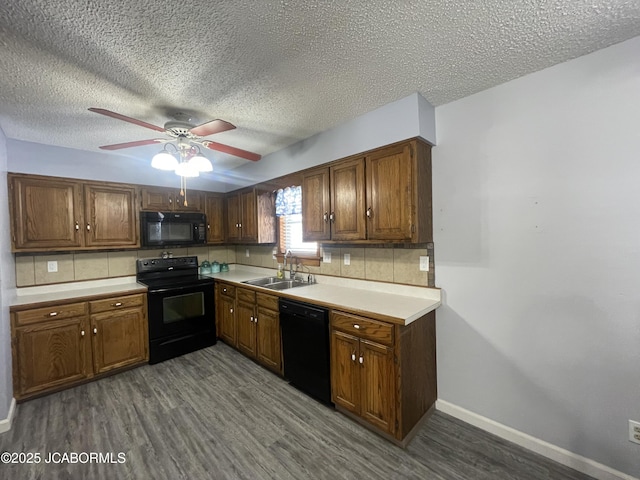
[(305, 348)]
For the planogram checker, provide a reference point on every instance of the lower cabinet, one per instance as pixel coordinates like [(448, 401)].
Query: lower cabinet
[(226, 324), (250, 321), (61, 345), (383, 374)]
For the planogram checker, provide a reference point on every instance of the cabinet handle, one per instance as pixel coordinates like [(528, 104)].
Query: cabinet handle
[(251, 319), (255, 320), (231, 310), (88, 227), (53, 314), (208, 226), (224, 290), (369, 212), (95, 331), (117, 304), (326, 217), (353, 357), (77, 226), (239, 225), (82, 333), (356, 326), (361, 360), (170, 201), (332, 217)]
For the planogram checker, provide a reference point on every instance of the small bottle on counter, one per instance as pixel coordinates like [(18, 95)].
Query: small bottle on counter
[(280, 273)]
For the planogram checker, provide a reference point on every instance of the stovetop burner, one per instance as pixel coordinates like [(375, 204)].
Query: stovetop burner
[(168, 272)]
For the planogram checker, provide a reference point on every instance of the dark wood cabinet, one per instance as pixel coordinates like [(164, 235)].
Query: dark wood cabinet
[(110, 216), (118, 332), (64, 344), (380, 196), (214, 211), (384, 374), (48, 213), (245, 304), (160, 199), (226, 324), (268, 340), (250, 217)]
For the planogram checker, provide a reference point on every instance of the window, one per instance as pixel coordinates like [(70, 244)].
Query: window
[(289, 212)]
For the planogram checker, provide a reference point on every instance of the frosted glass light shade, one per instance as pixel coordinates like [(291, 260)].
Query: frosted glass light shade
[(184, 169), (201, 163), (164, 161)]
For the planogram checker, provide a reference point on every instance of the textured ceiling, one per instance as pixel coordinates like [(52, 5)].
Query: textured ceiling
[(280, 71)]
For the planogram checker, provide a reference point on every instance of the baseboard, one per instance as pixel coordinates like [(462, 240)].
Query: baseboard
[(546, 449), (5, 425)]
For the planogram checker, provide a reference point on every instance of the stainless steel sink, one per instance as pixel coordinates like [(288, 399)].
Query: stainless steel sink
[(275, 283)]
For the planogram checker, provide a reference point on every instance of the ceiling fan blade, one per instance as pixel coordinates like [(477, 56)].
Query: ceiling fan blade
[(254, 157), (109, 113), (209, 128), (139, 143)]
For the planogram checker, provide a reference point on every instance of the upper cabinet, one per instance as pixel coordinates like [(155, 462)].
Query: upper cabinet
[(214, 211), (333, 202), (383, 195), (250, 217), (57, 214), (159, 199)]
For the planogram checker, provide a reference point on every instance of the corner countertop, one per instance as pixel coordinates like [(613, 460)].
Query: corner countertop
[(42, 295), (399, 304)]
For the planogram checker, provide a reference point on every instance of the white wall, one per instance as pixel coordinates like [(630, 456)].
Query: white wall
[(536, 187), (7, 286), (408, 117)]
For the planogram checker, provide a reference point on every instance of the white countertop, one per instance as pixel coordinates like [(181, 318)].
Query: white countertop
[(400, 304), (71, 291)]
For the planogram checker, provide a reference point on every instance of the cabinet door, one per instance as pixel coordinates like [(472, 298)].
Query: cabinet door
[(46, 213), (389, 205), (347, 215), (119, 339), (110, 217), (377, 385), (268, 339), (246, 329), (233, 218), (227, 320), (52, 354), (192, 203), (315, 205), (345, 371), (157, 199), (249, 223), (214, 210)]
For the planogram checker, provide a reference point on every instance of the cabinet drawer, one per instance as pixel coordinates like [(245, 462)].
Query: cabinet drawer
[(37, 315), (363, 327), (116, 303), (228, 290), (267, 301), (244, 295)]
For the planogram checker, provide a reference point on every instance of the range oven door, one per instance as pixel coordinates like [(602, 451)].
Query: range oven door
[(175, 311)]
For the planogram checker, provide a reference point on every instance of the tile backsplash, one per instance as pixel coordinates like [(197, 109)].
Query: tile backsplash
[(394, 264), (33, 269)]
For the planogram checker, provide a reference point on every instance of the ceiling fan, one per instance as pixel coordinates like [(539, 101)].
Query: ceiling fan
[(183, 131)]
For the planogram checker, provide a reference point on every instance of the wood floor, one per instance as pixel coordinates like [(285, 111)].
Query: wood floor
[(214, 414)]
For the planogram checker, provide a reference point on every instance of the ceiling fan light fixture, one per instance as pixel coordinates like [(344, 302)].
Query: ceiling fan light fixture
[(201, 163), (164, 161), (184, 169)]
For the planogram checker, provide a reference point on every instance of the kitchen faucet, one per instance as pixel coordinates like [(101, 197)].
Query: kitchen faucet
[(289, 254)]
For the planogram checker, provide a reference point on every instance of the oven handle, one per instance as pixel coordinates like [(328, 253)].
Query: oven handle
[(179, 289)]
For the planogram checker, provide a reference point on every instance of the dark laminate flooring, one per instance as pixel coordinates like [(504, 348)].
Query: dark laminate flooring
[(215, 414)]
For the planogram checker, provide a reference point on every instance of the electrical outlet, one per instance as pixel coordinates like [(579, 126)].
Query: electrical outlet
[(52, 266), (326, 257), (634, 431), (424, 263), (246, 253), (347, 259)]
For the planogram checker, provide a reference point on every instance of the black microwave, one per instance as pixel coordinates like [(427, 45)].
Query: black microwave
[(163, 229)]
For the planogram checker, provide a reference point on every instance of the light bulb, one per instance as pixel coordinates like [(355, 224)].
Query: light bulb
[(164, 161), (201, 163), (184, 169)]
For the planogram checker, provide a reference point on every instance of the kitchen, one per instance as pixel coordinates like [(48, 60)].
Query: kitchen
[(500, 222)]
